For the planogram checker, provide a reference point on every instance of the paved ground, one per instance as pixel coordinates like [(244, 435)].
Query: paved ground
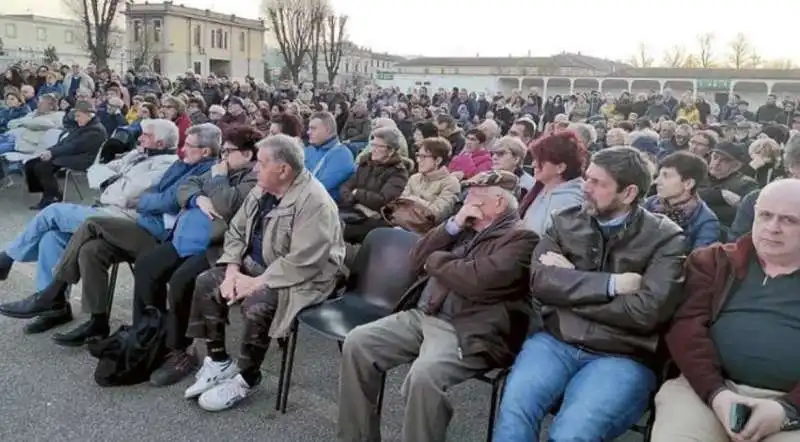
[(47, 392)]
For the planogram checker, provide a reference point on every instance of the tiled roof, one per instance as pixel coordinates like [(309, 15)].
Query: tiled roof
[(603, 68)]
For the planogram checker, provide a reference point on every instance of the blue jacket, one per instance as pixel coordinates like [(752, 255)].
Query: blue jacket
[(11, 113), (331, 163), (702, 228), (110, 121), (162, 198)]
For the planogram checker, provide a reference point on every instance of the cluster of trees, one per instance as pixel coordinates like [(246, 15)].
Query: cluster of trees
[(307, 32), (740, 53)]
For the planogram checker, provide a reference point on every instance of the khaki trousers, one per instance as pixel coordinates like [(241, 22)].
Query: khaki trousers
[(374, 348), (682, 417)]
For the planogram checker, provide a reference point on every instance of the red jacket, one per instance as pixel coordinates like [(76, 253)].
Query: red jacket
[(471, 163), (184, 123), (710, 273)]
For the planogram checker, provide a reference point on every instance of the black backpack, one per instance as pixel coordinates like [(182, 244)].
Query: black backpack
[(133, 352)]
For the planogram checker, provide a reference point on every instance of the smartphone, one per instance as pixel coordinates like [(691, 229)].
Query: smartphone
[(740, 413)]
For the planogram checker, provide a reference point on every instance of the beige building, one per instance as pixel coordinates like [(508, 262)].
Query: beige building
[(172, 39), (564, 74), (26, 36), (359, 65)]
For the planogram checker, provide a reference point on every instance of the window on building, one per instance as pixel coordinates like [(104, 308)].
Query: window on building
[(157, 65), (137, 30), (225, 41), (41, 34), (213, 38), (198, 68), (197, 35), (11, 30), (69, 37), (219, 39), (156, 31), (242, 39), (346, 67)]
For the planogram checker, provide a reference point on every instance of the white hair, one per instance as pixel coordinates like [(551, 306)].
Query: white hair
[(285, 149), (617, 137), (162, 130), (644, 133), (208, 136), (586, 132)]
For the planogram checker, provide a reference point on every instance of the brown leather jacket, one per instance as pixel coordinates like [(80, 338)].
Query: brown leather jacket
[(486, 276), (575, 303), (710, 273)]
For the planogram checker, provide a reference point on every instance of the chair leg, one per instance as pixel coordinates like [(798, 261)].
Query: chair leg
[(283, 344), (67, 176), (112, 286), (498, 387), (77, 186), (287, 383), (380, 394)]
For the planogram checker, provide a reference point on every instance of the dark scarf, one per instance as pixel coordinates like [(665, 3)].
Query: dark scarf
[(681, 213)]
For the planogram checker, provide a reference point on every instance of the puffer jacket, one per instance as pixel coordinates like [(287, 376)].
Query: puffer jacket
[(376, 183), (438, 191), (8, 114), (481, 276), (575, 303), (356, 129)]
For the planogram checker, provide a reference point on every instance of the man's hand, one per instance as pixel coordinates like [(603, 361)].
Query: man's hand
[(204, 204), (766, 419), (468, 212), (459, 175), (731, 198), (626, 283), (247, 285), (556, 260), (722, 404), (219, 169), (228, 287), (46, 156)]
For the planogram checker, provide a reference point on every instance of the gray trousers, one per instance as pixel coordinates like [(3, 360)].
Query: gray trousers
[(97, 244), (374, 348)]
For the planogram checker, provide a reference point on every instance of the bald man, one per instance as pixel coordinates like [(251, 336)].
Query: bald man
[(736, 337)]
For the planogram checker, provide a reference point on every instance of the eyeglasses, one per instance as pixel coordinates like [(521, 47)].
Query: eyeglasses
[(500, 153), (424, 155)]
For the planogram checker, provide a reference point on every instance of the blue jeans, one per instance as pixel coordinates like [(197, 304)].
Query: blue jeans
[(603, 396), (7, 142), (46, 236)]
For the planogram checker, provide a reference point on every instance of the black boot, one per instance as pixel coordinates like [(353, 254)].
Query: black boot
[(51, 299), (45, 201), (46, 321), (5, 265), (94, 328)]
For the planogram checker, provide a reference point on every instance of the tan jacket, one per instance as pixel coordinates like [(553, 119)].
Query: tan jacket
[(303, 247), (439, 191)]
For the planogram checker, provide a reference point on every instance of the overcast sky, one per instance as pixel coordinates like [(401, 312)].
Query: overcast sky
[(503, 27)]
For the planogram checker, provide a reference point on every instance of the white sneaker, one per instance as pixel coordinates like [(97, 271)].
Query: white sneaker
[(224, 395), (210, 375)]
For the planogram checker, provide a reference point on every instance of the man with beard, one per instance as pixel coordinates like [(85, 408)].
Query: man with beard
[(679, 140), (608, 276)]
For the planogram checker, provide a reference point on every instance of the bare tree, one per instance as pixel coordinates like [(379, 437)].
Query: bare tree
[(779, 63), (141, 47), (739, 51), (705, 57), (333, 43), (675, 57), (97, 24), (642, 58), (754, 60), (319, 12), (291, 22)]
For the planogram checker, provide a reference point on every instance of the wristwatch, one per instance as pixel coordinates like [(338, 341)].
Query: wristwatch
[(792, 421)]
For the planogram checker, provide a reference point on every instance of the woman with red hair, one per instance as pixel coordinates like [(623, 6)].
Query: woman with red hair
[(558, 164)]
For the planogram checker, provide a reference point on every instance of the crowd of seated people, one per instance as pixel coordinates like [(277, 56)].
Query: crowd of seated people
[(587, 258)]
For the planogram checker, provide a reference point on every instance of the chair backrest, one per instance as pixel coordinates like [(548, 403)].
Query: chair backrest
[(382, 271)]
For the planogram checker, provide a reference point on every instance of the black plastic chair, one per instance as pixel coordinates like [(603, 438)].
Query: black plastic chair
[(112, 283), (380, 276)]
